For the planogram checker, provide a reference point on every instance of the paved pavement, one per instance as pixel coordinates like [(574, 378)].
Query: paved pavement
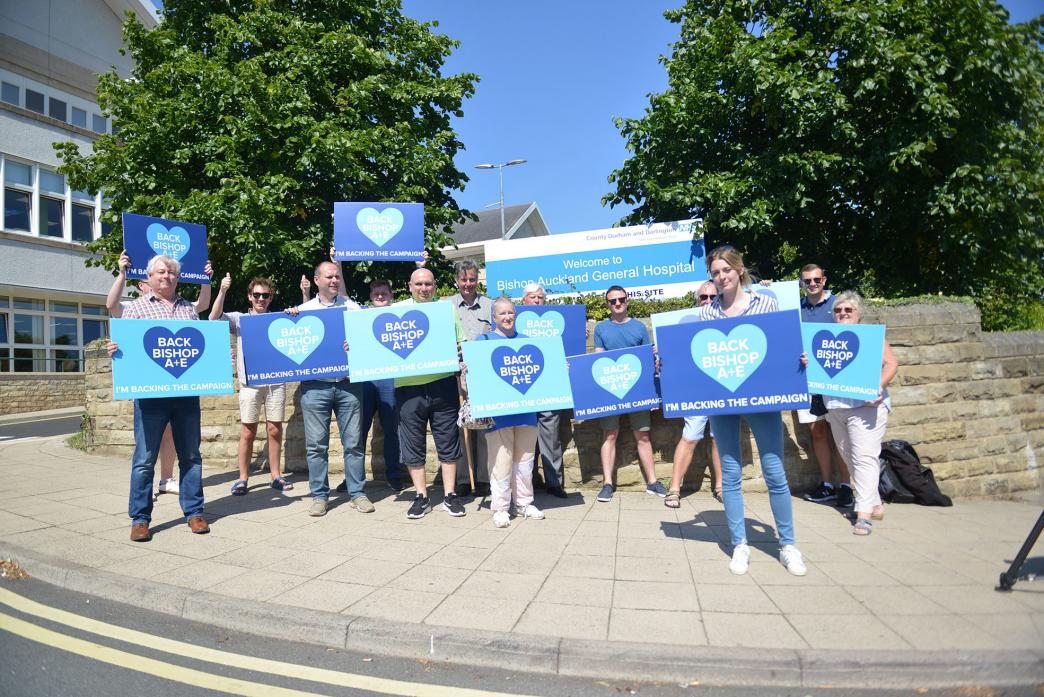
[(628, 589)]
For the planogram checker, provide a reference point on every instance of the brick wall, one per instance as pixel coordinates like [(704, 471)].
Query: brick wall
[(22, 392), (972, 404)]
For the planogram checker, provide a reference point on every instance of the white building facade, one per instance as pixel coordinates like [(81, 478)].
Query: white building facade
[(51, 54)]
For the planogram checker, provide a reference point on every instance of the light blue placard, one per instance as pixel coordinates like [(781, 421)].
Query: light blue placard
[(733, 366), (666, 319), (379, 231), (401, 341), (516, 376), (145, 237), (280, 348), (170, 358), (566, 321), (613, 382), (844, 360), (786, 293)]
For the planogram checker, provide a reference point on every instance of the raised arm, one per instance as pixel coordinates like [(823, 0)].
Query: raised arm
[(219, 299), (112, 300), (203, 302)]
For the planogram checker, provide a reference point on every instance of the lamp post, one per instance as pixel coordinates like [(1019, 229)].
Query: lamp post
[(501, 167)]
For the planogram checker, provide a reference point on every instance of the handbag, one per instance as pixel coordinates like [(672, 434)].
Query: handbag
[(466, 420), (818, 406)]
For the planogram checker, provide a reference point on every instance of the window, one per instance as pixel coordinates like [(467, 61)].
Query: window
[(52, 181), (82, 223), (17, 173), (28, 329), (5, 364), (67, 308), (17, 205), (63, 331), (34, 101), (79, 117), (51, 217), (29, 361), (10, 93), (94, 329), (4, 339), (94, 310), (57, 109), (35, 339), (28, 304), (97, 123), (67, 362)]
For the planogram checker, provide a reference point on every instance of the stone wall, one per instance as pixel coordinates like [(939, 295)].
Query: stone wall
[(22, 392), (972, 404)]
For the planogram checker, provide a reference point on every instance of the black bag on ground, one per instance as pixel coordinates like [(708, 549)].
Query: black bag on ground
[(904, 479)]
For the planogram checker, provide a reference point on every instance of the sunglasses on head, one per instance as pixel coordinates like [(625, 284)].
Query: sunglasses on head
[(811, 281), (261, 296), (616, 301), (708, 297)]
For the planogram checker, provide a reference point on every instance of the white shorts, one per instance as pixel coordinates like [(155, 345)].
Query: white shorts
[(694, 428), (251, 399), (805, 416)]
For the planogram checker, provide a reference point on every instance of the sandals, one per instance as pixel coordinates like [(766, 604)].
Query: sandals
[(281, 484), (239, 488), (863, 527), (718, 496), (877, 513), (673, 499)]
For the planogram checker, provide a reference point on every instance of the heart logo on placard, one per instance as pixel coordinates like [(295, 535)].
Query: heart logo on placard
[(174, 242), (834, 353), (174, 352), (550, 324), (297, 339), (401, 335), (519, 369), (729, 360), (379, 227), (619, 376)]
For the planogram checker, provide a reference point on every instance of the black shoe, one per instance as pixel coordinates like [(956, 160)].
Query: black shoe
[(395, 484), (421, 507), (821, 494), (482, 489), (557, 491), (464, 490), (452, 505), (343, 486), (845, 499)]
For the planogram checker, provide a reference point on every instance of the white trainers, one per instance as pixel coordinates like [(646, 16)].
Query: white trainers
[(740, 559), (533, 512), (501, 519), (791, 558), (168, 486)]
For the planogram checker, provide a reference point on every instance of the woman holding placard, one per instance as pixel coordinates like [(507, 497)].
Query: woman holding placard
[(859, 426), (735, 299)]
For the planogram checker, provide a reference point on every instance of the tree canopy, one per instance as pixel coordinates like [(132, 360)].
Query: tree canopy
[(254, 116), (898, 143)]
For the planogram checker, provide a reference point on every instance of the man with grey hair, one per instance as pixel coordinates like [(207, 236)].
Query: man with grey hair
[(476, 317), (549, 441), (151, 416)]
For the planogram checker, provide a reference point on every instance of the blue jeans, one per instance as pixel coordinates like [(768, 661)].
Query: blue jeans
[(318, 401), (151, 417), (379, 397), (768, 434)]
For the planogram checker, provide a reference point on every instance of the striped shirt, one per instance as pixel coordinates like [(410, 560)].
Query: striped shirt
[(759, 305), (151, 306)]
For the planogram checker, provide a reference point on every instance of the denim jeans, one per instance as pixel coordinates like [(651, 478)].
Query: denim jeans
[(151, 417), (379, 397), (768, 434), (318, 401)]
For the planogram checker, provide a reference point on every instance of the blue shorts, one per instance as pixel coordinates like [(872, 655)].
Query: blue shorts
[(694, 427)]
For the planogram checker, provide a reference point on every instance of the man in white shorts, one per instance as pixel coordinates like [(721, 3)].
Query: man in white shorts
[(273, 397)]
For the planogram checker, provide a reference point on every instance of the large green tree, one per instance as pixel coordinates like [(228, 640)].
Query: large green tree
[(254, 116), (897, 142)]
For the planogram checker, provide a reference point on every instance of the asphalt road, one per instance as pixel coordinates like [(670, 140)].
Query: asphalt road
[(55, 643), (42, 428)]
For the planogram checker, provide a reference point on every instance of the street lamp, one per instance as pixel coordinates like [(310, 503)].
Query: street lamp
[(501, 167)]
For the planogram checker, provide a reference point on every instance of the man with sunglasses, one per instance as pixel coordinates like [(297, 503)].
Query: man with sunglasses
[(251, 399), (817, 305), (617, 332)]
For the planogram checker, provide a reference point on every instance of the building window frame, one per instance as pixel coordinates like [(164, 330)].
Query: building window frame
[(37, 195), (49, 349)]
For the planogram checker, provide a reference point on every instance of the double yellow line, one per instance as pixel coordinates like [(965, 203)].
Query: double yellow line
[(189, 676)]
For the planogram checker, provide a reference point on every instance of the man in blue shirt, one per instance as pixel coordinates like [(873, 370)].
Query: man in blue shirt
[(817, 305), (617, 332)]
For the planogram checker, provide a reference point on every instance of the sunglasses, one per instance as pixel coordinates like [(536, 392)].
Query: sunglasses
[(261, 296), (844, 310), (707, 297), (813, 281), (617, 301)]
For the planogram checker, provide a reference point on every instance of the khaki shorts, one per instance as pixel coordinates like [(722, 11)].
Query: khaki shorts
[(273, 397), (640, 421)]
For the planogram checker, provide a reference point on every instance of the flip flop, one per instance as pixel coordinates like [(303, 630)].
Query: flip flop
[(239, 488), (281, 484), (862, 527)]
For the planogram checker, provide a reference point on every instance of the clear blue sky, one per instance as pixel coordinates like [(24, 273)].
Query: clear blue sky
[(554, 75)]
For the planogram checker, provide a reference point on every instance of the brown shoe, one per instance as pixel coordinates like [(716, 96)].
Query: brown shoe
[(198, 525), (140, 532)]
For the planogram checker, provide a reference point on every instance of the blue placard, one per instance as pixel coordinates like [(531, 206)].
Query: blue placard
[(170, 358), (379, 231), (549, 321), (733, 366), (145, 237), (666, 319), (280, 348), (516, 376), (844, 360), (613, 382), (402, 341)]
